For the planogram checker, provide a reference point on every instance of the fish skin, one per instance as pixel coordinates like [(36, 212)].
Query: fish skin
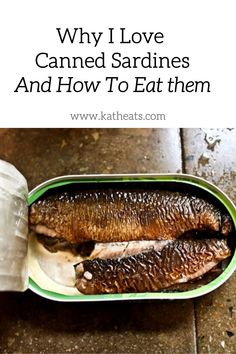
[(119, 215), (178, 262), (100, 249), (125, 249)]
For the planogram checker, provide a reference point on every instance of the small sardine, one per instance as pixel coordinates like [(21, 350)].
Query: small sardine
[(178, 262), (124, 215)]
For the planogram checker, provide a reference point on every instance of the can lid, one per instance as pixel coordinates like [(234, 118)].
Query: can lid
[(13, 229)]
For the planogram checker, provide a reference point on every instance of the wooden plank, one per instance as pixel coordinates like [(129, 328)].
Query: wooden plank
[(211, 154), (29, 323), (41, 154)]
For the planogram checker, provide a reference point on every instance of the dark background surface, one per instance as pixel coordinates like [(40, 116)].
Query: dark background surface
[(31, 324)]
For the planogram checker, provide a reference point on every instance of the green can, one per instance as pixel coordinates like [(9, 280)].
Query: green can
[(177, 180)]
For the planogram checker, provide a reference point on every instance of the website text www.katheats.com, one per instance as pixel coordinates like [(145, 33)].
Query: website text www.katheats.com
[(117, 116)]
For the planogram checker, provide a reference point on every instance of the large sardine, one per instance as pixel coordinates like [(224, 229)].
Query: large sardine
[(120, 215), (178, 262)]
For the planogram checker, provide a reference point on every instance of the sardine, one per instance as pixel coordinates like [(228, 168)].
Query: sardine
[(113, 215), (178, 262)]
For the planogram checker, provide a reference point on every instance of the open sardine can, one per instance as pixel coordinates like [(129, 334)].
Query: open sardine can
[(25, 263)]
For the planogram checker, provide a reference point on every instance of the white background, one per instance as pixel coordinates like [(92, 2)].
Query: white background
[(203, 30)]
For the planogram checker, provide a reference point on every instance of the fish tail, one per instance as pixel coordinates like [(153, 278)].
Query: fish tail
[(226, 225)]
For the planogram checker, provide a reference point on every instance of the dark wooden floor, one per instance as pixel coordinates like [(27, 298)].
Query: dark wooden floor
[(30, 324)]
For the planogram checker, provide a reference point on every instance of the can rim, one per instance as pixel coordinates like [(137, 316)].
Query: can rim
[(153, 177)]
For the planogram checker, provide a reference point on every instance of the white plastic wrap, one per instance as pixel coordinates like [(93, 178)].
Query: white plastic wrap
[(13, 229)]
